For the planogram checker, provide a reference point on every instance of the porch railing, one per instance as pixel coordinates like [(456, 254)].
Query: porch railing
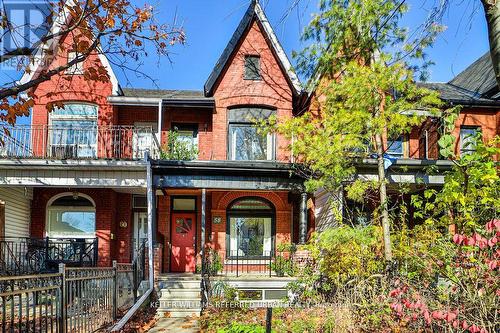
[(22, 256), (72, 142), (237, 264), (70, 300)]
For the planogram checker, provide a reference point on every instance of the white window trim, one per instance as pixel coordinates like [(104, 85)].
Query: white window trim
[(270, 141), (50, 208), (62, 117), (76, 69)]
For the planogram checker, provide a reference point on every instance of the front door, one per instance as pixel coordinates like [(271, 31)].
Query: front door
[(183, 256), (140, 230)]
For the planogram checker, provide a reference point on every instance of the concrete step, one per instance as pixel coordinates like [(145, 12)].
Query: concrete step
[(180, 313), (180, 304), (179, 284), (186, 294), (180, 276)]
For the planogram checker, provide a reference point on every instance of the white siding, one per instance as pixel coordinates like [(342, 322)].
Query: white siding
[(17, 210)]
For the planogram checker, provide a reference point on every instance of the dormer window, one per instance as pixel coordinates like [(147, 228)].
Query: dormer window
[(252, 67), (76, 69)]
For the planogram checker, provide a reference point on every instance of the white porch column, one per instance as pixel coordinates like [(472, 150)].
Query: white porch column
[(203, 227), (160, 119)]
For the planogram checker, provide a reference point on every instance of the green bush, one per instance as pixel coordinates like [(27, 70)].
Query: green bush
[(243, 328)]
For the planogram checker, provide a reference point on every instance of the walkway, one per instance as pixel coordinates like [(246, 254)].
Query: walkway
[(175, 325)]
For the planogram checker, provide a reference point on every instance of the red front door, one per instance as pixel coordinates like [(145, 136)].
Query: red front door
[(183, 257)]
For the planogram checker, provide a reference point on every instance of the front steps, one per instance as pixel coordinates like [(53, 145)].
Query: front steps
[(179, 295)]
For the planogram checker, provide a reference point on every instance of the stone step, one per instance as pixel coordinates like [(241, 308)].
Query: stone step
[(187, 294), (179, 284), (180, 313)]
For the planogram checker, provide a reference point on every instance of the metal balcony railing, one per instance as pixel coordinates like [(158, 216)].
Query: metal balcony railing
[(68, 142)]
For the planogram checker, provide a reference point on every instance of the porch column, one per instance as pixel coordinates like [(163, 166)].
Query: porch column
[(203, 227), (303, 218)]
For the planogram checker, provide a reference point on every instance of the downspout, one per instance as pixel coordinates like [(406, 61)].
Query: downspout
[(145, 296)]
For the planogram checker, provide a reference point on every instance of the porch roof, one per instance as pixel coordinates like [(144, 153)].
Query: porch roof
[(240, 175)]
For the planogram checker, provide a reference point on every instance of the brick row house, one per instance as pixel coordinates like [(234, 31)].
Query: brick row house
[(79, 171)]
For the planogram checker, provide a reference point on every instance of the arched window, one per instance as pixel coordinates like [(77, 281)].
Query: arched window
[(71, 216), (250, 228)]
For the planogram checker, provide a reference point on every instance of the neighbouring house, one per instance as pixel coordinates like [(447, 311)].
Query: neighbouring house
[(77, 175)]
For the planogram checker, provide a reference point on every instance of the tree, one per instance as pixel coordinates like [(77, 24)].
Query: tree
[(116, 28), (361, 64), (492, 14)]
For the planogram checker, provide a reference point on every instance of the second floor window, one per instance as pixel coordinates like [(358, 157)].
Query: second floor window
[(245, 141), (73, 131), (468, 137), (396, 147), (252, 67)]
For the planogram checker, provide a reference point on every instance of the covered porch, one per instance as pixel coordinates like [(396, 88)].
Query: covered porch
[(230, 218)]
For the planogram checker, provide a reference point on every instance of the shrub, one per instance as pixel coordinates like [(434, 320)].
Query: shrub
[(243, 328)]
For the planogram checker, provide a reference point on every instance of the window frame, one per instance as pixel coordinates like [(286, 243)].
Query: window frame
[(271, 154), (184, 127), (240, 213), (477, 129), (257, 71), (74, 118), (50, 208), (404, 147), (76, 69)]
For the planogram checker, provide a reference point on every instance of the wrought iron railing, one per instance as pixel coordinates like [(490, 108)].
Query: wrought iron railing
[(70, 300), (237, 264), (20, 256), (139, 268), (71, 142)]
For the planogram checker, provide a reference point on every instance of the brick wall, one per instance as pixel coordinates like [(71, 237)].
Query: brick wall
[(222, 199), (232, 90), (111, 207)]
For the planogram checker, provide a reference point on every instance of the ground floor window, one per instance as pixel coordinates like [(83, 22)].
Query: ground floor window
[(71, 216), (250, 229)]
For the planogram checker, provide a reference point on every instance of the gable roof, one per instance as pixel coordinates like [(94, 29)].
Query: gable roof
[(254, 11), (475, 85), (59, 23)]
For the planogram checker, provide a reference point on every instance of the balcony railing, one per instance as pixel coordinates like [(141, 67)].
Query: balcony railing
[(20, 256), (98, 142)]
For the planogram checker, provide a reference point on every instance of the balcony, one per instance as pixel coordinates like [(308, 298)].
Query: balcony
[(70, 142)]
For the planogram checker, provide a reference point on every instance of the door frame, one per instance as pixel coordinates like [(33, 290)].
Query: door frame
[(195, 212)]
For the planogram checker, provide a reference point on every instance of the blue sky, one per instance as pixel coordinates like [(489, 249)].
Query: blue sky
[(209, 25)]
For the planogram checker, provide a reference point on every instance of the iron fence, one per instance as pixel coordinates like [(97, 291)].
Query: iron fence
[(42, 255), (73, 142), (237, 264), (71, 300)]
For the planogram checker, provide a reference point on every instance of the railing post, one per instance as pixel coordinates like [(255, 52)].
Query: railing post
[(115, 290), (96, 250), (63, 300), (47, 240)]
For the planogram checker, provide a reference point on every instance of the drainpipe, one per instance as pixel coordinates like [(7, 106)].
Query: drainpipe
[(303, 218), (160, 119), (150, 197)]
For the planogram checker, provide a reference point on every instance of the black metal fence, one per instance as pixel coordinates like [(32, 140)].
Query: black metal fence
[(24, 256), (237, 264), (71, 300)]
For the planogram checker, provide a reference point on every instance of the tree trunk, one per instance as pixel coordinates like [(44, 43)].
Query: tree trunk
[(383, 199), (492, 13)]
